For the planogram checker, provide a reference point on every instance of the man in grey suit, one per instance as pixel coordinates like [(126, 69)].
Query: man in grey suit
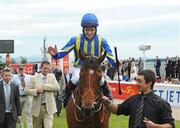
[(10, 109)]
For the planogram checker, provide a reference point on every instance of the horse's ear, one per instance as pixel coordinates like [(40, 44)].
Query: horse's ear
[(82, 55), (102, 57)]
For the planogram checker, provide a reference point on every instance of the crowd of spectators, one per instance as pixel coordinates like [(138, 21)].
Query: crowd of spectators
[(130, 67)]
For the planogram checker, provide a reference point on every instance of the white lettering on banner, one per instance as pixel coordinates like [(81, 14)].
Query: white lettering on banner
[(170, 93)]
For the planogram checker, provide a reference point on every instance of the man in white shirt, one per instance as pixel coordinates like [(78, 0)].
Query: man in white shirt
[(22, 80)]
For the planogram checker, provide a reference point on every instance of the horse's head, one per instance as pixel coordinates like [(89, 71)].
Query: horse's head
[(89, 86)]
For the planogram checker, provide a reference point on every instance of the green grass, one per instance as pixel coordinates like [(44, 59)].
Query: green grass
[(115, 121)]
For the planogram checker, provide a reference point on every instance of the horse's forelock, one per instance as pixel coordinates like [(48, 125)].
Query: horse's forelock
[(91, 62)]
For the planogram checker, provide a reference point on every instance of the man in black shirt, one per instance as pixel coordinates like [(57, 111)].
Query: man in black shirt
[(156, 112)]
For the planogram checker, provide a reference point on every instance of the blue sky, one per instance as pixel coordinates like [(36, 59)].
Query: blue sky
[(126, 24)]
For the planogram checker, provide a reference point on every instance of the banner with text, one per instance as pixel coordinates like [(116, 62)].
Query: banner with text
[(169, 92)]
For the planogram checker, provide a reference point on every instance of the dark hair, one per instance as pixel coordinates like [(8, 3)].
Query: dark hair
[(44, 62), (6, 70), (149, 76)]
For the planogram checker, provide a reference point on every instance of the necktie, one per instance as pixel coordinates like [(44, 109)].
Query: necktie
[(139, 113), (22, 81), (43, 100), (66, 80), (7, 96)]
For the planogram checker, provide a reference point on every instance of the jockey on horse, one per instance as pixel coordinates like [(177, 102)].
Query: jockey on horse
[(90, 43)]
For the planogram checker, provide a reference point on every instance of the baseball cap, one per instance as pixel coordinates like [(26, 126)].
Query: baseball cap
[(21, 66)]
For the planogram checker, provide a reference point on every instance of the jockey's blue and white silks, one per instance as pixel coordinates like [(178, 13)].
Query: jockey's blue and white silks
[(94, 47)]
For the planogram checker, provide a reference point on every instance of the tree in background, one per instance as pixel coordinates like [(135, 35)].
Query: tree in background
[(2, 65), (23, 60)]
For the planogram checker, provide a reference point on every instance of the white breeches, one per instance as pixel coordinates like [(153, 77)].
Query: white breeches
[(76, 74)]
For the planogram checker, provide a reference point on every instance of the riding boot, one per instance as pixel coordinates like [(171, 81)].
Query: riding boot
[(67, 93), (106, 91)]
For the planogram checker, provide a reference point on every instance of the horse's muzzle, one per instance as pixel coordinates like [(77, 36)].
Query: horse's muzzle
[(87, 111)]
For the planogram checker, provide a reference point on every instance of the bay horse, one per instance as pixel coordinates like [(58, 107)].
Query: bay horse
[(85, 108)]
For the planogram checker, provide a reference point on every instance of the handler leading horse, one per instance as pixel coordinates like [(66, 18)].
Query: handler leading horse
[(85, 109)]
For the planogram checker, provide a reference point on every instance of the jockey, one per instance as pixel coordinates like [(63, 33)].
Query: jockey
[(90, 43)]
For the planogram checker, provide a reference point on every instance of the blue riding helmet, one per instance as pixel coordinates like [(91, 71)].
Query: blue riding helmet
[(89, 20)]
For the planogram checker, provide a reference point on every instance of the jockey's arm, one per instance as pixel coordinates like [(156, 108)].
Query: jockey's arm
[(66, 49), (109, 54)]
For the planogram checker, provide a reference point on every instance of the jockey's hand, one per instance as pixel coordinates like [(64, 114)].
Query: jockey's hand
[(119, 63), (52, 51)]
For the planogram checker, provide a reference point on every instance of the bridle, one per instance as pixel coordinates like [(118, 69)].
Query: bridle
[(97, 103)]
